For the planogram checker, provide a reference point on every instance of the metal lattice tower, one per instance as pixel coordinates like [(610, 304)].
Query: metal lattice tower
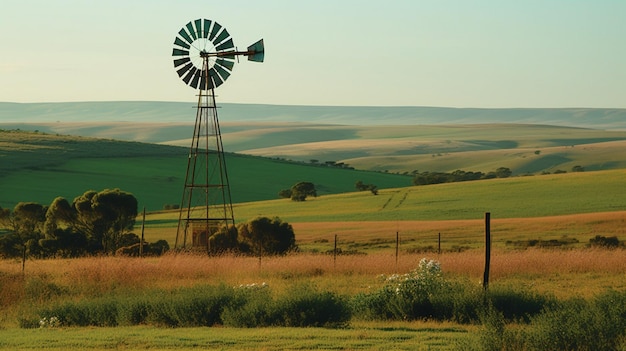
[(204, 57)]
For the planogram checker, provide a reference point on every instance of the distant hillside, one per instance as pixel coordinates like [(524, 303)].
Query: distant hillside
[(393, 139), (183, 112)]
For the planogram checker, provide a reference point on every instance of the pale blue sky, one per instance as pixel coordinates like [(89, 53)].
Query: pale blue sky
[(531, 53)]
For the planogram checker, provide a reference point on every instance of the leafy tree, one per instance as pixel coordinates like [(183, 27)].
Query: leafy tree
[(25, 226), (503, 172), (285, 194), (224, 240), (270, 236), (301, 190), (64, 242), (578, 168), (104, 218), (362, 187)]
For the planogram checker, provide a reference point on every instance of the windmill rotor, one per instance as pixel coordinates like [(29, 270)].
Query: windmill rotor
[(204, 54)]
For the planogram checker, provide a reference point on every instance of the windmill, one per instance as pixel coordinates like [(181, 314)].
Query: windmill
[(204, 57)]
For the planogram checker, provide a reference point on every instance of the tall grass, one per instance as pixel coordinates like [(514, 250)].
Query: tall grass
[(346, 274)]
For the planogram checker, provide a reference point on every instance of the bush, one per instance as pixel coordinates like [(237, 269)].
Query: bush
[(307, 307), (303, 306), (518, 305), (576, 324), (425, 294), (247, 306), (605, 242), (405, 297)]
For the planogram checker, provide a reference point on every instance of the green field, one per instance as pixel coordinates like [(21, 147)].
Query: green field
[(39, 167), (573, 205)]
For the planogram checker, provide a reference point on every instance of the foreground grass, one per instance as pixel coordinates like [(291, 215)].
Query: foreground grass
[(367, 336), (562, 273)]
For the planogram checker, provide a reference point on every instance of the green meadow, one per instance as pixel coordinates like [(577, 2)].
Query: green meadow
[(38, 167)]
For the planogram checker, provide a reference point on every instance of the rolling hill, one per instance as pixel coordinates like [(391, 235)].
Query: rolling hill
[(392, 139), (149, 161), (38, 167)]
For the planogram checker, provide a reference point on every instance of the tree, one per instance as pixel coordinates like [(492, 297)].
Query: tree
[(25, 226), (503, 172), (224, 240), (360, 186), (284, 194), (578, 168), (104, 218), (301, 190), (263, 235)]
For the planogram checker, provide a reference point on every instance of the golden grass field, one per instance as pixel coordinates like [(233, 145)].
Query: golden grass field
[(564, 273)]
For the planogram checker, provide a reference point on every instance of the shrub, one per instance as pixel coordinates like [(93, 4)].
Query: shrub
[(406, 296), (302, 306), (247, 306), (518, 304), (575, 324), (603, 241), (425, 294), (251, 307), (307, 307)]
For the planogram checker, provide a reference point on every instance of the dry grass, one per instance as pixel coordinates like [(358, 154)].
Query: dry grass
[(465, 232), (565, 272)]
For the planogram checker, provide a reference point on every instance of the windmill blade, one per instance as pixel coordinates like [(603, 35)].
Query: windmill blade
[(179, 52), (217, 81), (257, 51), (196, 78), (222, 36), (181, 43), (228, 44), (207, 26), (183, 33), (225, 63), (184, 69), (216, 28), (189, 75), (198, 24), (181, 61), (192, 31), (222, 71)]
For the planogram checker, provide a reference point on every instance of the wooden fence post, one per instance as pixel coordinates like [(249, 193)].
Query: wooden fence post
[(143, 228), (397, 249), (335, 253), (439, 244), (487, 249)]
